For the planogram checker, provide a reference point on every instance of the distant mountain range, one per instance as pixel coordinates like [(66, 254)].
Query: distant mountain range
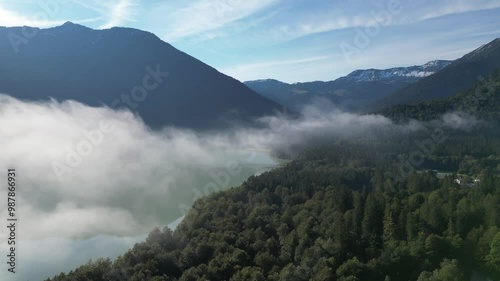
[(457, 77), (370, 90), (123, 67), (396, 74), (359, 88)]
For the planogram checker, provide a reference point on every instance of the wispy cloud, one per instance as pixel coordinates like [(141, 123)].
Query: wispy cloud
[(320, 24), (207, 15), (286, 62), (40, 17), (357, 15), (119, 12), (11, 18), (112, 13), (297, 68), (449, 7), (494, 32)]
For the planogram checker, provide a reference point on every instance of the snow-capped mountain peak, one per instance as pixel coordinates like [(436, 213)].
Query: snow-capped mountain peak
[(406, 73)]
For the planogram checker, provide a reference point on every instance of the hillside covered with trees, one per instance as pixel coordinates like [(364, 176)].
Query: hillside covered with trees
[(345, 211)]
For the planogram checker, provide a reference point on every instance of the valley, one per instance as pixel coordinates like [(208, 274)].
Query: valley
[(230, 140)]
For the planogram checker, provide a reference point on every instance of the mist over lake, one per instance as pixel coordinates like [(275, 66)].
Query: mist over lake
[(40, 259)]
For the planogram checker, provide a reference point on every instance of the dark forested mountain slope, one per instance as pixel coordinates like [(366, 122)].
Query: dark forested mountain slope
[(483, 100), (103, 66)]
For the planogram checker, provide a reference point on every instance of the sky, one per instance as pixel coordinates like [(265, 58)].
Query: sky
[(288, 40)]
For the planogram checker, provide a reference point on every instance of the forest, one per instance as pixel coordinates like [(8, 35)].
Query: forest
[(344, 210)]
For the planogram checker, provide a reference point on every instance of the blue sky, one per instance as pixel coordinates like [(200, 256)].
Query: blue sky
[(288, 40)]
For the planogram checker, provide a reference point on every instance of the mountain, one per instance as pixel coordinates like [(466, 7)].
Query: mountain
[(407, 74), (350, 92), (483, 101), (123, 67), (289, 95), (458, 76)]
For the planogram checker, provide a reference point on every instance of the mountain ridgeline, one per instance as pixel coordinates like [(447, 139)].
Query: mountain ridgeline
[(458, 76), (371, 90), (359, 88), (124, 68)]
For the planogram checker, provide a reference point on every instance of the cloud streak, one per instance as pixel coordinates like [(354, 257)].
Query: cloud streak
[(206, 15), (119, 12), (358, 15), (265, 69), (11, 18)]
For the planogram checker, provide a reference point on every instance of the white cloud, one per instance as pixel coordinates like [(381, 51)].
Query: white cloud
[(450, 7), (42, 18), (130, 179), (459, 120), (356, 15), (119, 12), (11, 18), (205, 15), (320, 24), (112, 12), (297, 69), (285, 62), (120, 182)]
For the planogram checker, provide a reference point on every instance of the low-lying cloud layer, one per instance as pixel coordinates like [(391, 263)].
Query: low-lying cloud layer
[(101, 171), (84, 171)]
